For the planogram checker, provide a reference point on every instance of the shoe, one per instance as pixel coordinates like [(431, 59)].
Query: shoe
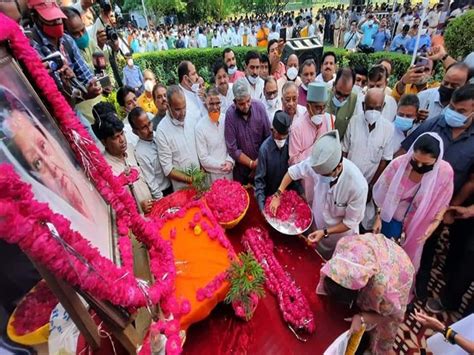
[(435, 306)]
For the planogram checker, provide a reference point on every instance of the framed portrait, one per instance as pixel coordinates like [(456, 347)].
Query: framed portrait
[(31, 141)]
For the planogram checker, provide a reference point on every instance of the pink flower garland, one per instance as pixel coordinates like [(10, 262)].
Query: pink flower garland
[(34, 309), (227, 200), (22, 211), (293, 304), (293, 207)]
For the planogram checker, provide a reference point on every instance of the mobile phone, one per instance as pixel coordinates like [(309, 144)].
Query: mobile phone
[(104, 81)]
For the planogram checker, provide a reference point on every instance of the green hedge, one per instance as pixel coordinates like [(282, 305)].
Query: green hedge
[(164, 63), (459, 35)]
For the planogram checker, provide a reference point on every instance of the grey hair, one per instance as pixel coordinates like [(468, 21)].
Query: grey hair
[(288, 85), (173, 90), (241, 89), (268, 80)]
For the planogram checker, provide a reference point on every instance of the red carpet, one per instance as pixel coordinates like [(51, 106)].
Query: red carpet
[(266, 332)]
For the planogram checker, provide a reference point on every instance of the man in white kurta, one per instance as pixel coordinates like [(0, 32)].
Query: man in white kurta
[(175, 137), (272, 100), (368, 144), (340, 192), (192, 85), (210, 141), (146, 153)]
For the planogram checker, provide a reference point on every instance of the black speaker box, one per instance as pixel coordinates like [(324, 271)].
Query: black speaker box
[(304, 48)]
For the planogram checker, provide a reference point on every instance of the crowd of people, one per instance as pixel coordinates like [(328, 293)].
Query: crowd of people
[(367, 157)]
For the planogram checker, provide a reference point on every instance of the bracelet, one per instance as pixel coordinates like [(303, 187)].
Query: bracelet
[(251, 163), (449, 335), (326, 234), (444, 57), (277, 193)]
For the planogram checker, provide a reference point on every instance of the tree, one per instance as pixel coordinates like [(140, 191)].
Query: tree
[(459, 35), (260, 7)]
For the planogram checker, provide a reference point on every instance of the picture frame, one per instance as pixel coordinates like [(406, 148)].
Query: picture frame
[(32, 142)]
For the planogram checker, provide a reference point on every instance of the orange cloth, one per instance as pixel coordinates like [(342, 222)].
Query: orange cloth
[(262, 37), (412, 89), (198, 260), (304, 32)]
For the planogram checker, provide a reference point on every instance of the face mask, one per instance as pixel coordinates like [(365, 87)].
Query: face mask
[(148, 85), (83, 41), (445, 93), (292, 73), (252, 80), (194, 86), (454, 119), (54, 31), (420, 169), (337, 102), (280, 142), (214, 116), (317, 119), (403, 123), (371, 116), (232, 70), (130, 62), (272, 102)]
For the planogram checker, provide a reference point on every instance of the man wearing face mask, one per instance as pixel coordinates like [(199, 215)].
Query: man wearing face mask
[(210, 140), (342, 100), (340, 192), (367, 143), (145, 101), (252, 71), (308, 74), (292, 69), (132, 75), (456, 129), (176, 140), (306, 129), (246, 127), (48, 37), (223, 86), (436, 99), (407, 114), (273, 160), (76, 28), (378, 78), (416, 79), (228, 57), (272, 99), (193, 87)]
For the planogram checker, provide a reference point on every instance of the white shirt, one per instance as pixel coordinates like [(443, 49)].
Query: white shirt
[(319, 79), (343, 202), (177, 146), (256, 92), (194, 106), (366, 149), (211, 148), (273, 35), (146, 153), (228, 100), (140, 190), (216, 42), (389, 111), (271, 110), (202, 40), (252, 40), (433, 18), (429, 100), (397, 139)]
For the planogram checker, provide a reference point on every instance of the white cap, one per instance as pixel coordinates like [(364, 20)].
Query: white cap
[(326, 153)]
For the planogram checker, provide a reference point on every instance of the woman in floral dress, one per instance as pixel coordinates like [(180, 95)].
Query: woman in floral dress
[(376, 274)]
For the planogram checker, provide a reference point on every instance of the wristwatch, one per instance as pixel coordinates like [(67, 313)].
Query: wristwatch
[(443, 58), (326, 234)]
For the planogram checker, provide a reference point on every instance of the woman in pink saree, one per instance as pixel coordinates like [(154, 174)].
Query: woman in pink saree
[(376, 274), (412, 194)]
